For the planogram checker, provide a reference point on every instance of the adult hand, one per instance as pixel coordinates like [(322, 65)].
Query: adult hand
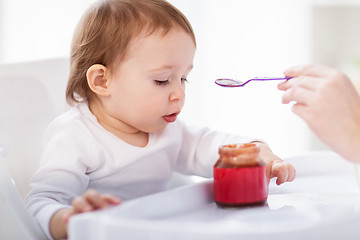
[(328, 102)]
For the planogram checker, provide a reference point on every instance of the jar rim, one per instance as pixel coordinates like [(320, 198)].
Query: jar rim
[(238, 148)]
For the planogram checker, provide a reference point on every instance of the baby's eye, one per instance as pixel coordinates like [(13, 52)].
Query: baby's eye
[(184, 80), (161, 83)]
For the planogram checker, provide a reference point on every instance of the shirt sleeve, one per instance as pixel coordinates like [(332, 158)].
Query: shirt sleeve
[(68, 157), (199, 151)]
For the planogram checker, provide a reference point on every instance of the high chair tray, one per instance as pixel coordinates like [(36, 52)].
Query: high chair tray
[(314, 206)]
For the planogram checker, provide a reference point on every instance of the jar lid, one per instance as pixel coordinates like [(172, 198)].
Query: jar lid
[(235, 149)]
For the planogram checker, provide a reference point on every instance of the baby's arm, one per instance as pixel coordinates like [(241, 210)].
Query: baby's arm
[(275, 167), (91, 200)]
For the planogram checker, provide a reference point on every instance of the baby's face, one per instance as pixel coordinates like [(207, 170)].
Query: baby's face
[(148, 86)]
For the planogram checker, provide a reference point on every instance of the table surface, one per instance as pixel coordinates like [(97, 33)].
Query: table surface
[(323, 202)]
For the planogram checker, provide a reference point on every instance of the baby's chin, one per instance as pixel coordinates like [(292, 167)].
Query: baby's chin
[(155, 128)]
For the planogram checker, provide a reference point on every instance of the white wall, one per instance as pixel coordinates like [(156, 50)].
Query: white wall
[(37, 29)]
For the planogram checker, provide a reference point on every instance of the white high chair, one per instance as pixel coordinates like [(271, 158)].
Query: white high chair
[(16, 222), (31, 95)]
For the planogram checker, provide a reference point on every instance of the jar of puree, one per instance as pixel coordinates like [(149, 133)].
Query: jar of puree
[(240, 176)]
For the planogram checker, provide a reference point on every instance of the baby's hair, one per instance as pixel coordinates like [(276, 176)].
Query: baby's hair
[(105, 30)]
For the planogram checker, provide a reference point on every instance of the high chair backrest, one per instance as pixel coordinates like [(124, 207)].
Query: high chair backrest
[(16, 223), (31, 95)]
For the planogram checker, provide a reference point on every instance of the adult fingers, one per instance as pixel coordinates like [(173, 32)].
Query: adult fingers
[(299, 109), (308, 82), (295, 71), (297, 94), (283, 86), (308, 70)]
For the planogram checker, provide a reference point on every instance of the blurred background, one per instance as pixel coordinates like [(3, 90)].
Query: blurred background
[(236, 39)]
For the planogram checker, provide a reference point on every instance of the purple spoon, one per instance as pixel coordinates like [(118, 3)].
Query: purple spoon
[(227, 82)]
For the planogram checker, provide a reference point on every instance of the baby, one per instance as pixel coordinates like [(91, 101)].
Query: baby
[(122, 139)]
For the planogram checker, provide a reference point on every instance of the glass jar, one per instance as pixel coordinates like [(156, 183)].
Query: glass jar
[(240, 176)]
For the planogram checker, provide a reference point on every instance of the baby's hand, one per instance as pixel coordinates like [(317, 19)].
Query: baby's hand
[(284, 171), (91, 200), (275, 167)]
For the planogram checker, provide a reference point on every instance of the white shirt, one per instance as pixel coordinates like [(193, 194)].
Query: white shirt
[(80, 154)]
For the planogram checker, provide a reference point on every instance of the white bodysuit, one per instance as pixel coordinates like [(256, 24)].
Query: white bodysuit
[(80, 154)]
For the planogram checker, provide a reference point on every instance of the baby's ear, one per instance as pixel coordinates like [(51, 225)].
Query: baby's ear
[(97, 79)]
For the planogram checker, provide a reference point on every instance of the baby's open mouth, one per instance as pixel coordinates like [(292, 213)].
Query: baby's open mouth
[(171, 118)]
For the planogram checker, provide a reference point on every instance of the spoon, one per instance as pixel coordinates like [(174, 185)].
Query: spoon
[(227, 82)]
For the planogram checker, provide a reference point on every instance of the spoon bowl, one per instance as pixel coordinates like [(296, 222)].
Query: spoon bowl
[(228, 82)]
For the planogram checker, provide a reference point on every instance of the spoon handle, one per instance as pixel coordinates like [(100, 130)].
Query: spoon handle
[(270, 78)]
